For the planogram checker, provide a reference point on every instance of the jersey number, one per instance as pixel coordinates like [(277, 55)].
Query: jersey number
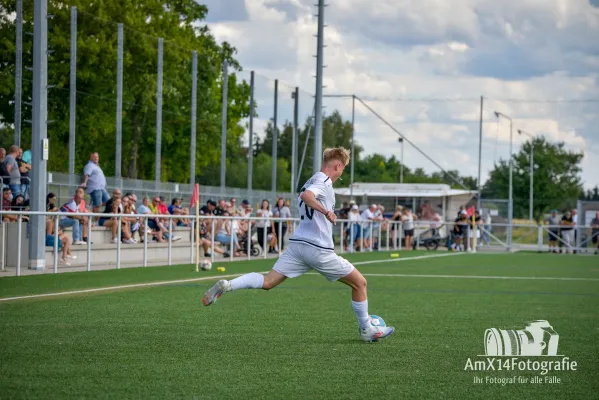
[(309, 211)]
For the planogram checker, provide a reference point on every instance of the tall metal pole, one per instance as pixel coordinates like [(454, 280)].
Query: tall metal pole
[(401, 162), (275, 137), (318, 94), (532, 182), (251, 140), (37, 239), (294, 139), (194, 106), (223, 140), (511, 197), (18, 72), (353, 140), (159, 114), (480, 151), (73, 94), (119, 105), (510, 206)]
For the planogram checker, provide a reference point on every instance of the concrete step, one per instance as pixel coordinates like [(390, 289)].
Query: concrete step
[(102, 235)]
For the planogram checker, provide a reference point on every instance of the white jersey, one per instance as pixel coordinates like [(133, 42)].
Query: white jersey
[(314, 228)]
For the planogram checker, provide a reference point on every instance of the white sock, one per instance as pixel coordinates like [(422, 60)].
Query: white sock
[(361, 310), (252, 280)]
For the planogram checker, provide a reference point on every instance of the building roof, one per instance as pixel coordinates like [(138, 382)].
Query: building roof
[(402, 190)]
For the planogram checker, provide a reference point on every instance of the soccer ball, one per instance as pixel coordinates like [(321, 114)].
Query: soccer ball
[(206, 265), (375, 320)]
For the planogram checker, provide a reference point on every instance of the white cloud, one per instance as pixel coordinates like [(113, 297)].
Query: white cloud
[(525, 49)]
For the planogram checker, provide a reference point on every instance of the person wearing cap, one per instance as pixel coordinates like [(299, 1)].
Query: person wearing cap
[(553, 221)]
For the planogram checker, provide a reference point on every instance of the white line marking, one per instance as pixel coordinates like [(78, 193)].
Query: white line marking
[(540, 278), (104, 289), (407, 258)]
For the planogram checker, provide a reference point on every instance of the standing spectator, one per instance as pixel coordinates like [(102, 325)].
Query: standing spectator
[(282, 211), (567, 225), (353, 227), (595, 232), (4, 174), (95, 182), (265, 224), (459, 231), (486, 237), (368, 216), (553, 221), (24, 169), (12, 168), (408, 219), (575, 228), (395, 227)]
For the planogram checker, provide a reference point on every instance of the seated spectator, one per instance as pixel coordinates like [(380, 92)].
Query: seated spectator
[(7, 206), (18, 204), (228, 232), (129, 224), (78, 222), (156, 229), (51, 200), (63, 242), (209, 208), (176, 208)]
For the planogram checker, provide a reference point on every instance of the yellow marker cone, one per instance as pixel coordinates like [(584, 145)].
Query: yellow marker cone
[(221, 269)]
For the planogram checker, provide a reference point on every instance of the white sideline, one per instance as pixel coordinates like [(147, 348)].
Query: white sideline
[(407, 259), (205, 278), (544, 278)]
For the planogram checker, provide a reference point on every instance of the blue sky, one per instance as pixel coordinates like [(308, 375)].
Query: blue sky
[(546, 50)]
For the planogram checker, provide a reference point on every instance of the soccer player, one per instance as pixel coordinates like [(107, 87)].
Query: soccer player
[(311, 247)]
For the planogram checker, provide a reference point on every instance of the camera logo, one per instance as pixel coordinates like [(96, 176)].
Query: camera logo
[(537, 339)]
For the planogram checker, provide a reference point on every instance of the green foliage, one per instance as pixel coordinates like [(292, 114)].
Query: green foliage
[(176, 21), (557, 182)]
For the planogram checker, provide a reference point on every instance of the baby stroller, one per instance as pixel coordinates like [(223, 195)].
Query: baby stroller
[(255, 249)]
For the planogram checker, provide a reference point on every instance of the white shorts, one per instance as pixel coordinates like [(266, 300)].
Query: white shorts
[(471, 233), (301, 258)]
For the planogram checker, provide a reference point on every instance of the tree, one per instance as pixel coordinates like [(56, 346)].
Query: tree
[(557, 182), (144, 21)]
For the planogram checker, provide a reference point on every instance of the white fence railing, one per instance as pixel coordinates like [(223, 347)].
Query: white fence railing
[(349, 236)]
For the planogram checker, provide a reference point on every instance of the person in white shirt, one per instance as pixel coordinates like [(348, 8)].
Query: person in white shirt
[(408, 219), (353, 230), (368, 216), (311, 248)]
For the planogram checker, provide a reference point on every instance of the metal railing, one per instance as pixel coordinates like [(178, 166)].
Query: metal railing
[(349, 235)]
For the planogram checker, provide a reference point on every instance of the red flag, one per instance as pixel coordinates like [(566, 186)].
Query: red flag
[(195, 197), (470, 212)]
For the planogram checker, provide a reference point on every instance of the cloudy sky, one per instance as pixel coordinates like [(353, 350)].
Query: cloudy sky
[(423, 66)]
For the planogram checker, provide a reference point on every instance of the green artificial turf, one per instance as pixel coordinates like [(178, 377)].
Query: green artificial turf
[(301, 339)]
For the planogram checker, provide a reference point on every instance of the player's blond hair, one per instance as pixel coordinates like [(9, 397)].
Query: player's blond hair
[(337, 154)]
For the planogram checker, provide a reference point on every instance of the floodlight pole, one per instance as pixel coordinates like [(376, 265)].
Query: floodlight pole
[(401, 161), (510, 206), (532, 179)]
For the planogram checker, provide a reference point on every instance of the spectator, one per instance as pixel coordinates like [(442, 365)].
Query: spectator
[(395, 227), (18, 204), (246, 209), (368, 216), (344, 211), (176, 208), (78, 222), (157, 230), (353, 227), (554, 222), (51, 202), (595, 232), (7, 206), (459, 231), (408, 219), (227, 234), (474, 228), (24, 169), (574, 228), (435, 223), (130, 224), (222, 207), (63, 242), (265, 224), (209, 208), (4, 174), (567, 225), (486, 237), (95, 182), (112, 207), (282, 211), (12, 168)]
